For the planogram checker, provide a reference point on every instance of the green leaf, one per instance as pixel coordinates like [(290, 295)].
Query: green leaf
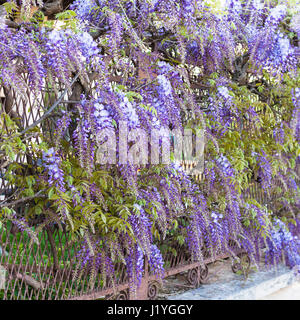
[(103, 183), (51, 193), (10, 6), (247, 223), (103, 217), (65, 15)]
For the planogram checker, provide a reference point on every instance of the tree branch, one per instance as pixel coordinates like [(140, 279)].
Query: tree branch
[(52, 8), (46, 114), (6, 204)]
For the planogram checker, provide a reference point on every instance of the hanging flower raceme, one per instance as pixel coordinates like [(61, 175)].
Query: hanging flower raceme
[(156, 262), (88, 12), (168, 111), (129, 111), (95, 258), (273, 51), (134, 266), (279, 134), (68, 52), (234, 8), (283, 245), (141, 225), (93, 118), (62, 126), (88, 46), (224, 164), (31, 52), (265, 169), (115, 22), (57, 55), (20, 48), (276, 15), (52, 163), (21, 223), (222, 108)]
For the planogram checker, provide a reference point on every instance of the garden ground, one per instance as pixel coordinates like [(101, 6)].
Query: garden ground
[(222, 284)]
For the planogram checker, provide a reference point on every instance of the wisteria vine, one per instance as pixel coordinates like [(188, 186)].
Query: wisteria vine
[(232, 71)]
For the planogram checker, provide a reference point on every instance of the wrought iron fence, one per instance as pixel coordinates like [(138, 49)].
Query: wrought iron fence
[(45, 270)]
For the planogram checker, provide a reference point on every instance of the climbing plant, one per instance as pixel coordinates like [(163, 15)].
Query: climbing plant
[(229, 69)]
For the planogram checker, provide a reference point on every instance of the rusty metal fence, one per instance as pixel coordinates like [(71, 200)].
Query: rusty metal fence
[(46, 270)]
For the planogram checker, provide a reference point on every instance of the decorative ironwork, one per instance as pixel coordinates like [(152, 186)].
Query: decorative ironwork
[(193, 277), (123, 295), (197, 276), (153, 289), (203, 274)]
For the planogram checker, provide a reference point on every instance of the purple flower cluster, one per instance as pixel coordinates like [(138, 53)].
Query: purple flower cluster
[(167, 110), (234, 7), (68, 52), (282, 241), (265, 169), (88, 46), (22, 225), (252, 116), (95, 258), (224, 165), (32, 59), (52, 163), (115, 22), (156, 262), (62, 126), (93, 117), (198, 224), (164, 68), (87, 12), (222, 108), (129, 111), (188, 8), (271, 48), (59, 51), (101, 117), (141, 224), (276, 15), (19, 222), (279, 134), (165, 85), (135, 266), (218, 233)]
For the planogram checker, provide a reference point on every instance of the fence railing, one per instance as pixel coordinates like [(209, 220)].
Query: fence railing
[(45, 270)]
